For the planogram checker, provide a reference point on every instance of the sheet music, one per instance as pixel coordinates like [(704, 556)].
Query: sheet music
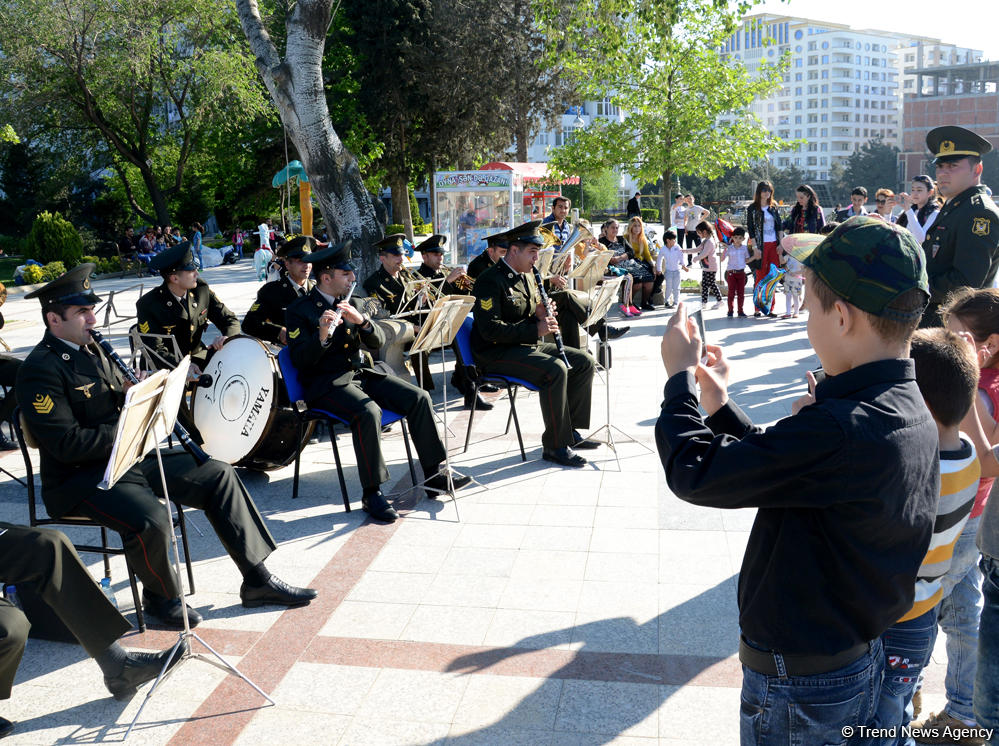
[(130, 442), (449, 312)]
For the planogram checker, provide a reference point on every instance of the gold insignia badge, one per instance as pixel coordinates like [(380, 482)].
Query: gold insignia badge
[(398, 242), (169, 329), (43, 404), (86, 283), (980, 226), (85, 389), (255, 306), (947, 146), (144, 327), (486, 304), (294, 334)]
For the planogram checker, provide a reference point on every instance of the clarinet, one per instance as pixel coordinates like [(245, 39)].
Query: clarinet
[(178, 430), (548, 307)]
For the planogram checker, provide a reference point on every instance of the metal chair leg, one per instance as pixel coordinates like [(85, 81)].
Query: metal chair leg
[(339, 468), (409, 452), (471, 416), (516, 420), (182, 523), (140, 618), (298, 461), (107, 557)]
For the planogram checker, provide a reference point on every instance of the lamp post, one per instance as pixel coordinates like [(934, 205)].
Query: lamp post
[(577, 124)]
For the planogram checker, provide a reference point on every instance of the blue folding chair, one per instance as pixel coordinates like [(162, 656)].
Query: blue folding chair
[(478, 379), (305, 414)]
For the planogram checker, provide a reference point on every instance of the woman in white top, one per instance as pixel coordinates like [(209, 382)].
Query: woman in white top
[(922, 213), (693, 215), (678, 217)]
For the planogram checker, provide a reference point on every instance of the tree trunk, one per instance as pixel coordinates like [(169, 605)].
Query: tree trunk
[(295, 84), (400, 204), (666, 218), (522, 135)]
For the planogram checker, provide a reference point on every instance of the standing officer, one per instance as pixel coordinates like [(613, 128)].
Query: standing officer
[(338, 377), (71, 397), (265, 319), (510, 321), (388, 284), (44, 558), (962, 246), (182, 307), (455, 282)]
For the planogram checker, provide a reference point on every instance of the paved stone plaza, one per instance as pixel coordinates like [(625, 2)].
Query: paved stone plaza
[(549, 606)]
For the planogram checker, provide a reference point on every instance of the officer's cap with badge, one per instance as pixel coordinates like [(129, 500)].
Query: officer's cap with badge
[(177, 258), (952, 143), (335, 256), (527, 233), (391, 244), (434, 244), (298, 247), (70, 289)]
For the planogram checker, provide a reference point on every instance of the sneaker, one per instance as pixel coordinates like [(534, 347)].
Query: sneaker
[(634, 311), (625, 310), (742, 315), (730, 314), (757, 315), (717, 304), (944, 728)]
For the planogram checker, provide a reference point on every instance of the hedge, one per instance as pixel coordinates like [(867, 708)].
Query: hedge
[(53, 239), (650, 214)]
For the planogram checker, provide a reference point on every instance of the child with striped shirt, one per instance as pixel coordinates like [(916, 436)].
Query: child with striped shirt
[(947, 377)]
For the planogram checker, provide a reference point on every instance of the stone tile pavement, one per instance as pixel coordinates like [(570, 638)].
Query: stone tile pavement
[(545, 607)]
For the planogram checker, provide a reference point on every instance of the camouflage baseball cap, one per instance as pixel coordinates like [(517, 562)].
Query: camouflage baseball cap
[(869, 263)]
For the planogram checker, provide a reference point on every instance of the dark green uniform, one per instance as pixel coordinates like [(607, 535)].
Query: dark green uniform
[(962, 248), (8, 376), (338, 377), (389, 290), (447, 288), (159, 312), (505, 342), (479, 265), (71, 399), (265, 319), (45, 558)]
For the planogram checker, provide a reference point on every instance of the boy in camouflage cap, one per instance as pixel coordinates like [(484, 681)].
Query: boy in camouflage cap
[(846, 487)]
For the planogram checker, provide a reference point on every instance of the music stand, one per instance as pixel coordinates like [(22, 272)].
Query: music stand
[(440, 328), (606, 296), (148, 415), (591, 268), (109, 307)]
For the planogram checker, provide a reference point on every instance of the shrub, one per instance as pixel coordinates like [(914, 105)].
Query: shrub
[(108, 264), (11, 245), (32, 274), (53, 270), (394, 228), (690, 284), (53, 239), (650, 214)]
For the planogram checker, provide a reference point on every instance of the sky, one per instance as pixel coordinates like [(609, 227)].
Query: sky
[(950, 21)]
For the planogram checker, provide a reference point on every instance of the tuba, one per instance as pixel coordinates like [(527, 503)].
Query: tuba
[(562, 263)]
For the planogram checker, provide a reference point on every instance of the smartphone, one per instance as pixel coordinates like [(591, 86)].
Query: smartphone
[(820, 376), (698, 318)]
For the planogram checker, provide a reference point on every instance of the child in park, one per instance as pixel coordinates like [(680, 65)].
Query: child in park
[(705, 254), (737, 254), (794, 282), (947, 376), (845, 514), (669, 262)]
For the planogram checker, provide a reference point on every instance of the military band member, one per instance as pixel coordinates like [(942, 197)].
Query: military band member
[(338, 376), (510, 322), (182, 306), (962, 246), (71, 396), (45, 559), (265, 319), (388, 285), (486, 259), (455, 282)]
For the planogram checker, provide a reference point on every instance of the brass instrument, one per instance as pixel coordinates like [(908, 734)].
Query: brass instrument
[(464, 282), (561, 263)]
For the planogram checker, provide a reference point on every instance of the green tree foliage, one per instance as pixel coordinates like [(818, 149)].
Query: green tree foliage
[(139, 82), (53, 239), (600, 190), (7, 134), (873, 167), (687, 106)]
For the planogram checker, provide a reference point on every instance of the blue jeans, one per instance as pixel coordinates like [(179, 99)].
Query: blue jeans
[(908, 646), (987, 676), (807, 710), (958, 616)]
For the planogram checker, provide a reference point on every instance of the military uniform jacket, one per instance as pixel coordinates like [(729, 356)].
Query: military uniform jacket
[(505, 302), (71, 401), (962, 246), (321, 368), (159, 312), (386, 288), (479, 265), (265, 319), (447, 288)]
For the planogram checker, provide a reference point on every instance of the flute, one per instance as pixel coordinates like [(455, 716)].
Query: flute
[(548, 307), (178, 430), (338, 314)]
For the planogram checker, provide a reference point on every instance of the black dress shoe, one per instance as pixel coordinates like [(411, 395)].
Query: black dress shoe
[(616, 332), (375, 505), (138, 669), (647, 307), (581, 444), (7, 445), (437, 484), (480, 404), (169, 612), (6, 727), (275, 592), (488, 388), (564, 457)]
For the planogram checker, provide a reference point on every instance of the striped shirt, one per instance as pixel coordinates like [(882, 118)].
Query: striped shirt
[(959, 473)]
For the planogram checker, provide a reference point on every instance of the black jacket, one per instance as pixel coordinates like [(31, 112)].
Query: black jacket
[(265, 319), (847, 492), (479, 265), (754, 225), (321, 368), (159, 312)]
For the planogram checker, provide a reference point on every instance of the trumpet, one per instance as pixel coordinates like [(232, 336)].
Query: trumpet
[(464, 282)]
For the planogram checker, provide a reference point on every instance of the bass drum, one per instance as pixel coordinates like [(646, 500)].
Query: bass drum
[(244, 417)]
